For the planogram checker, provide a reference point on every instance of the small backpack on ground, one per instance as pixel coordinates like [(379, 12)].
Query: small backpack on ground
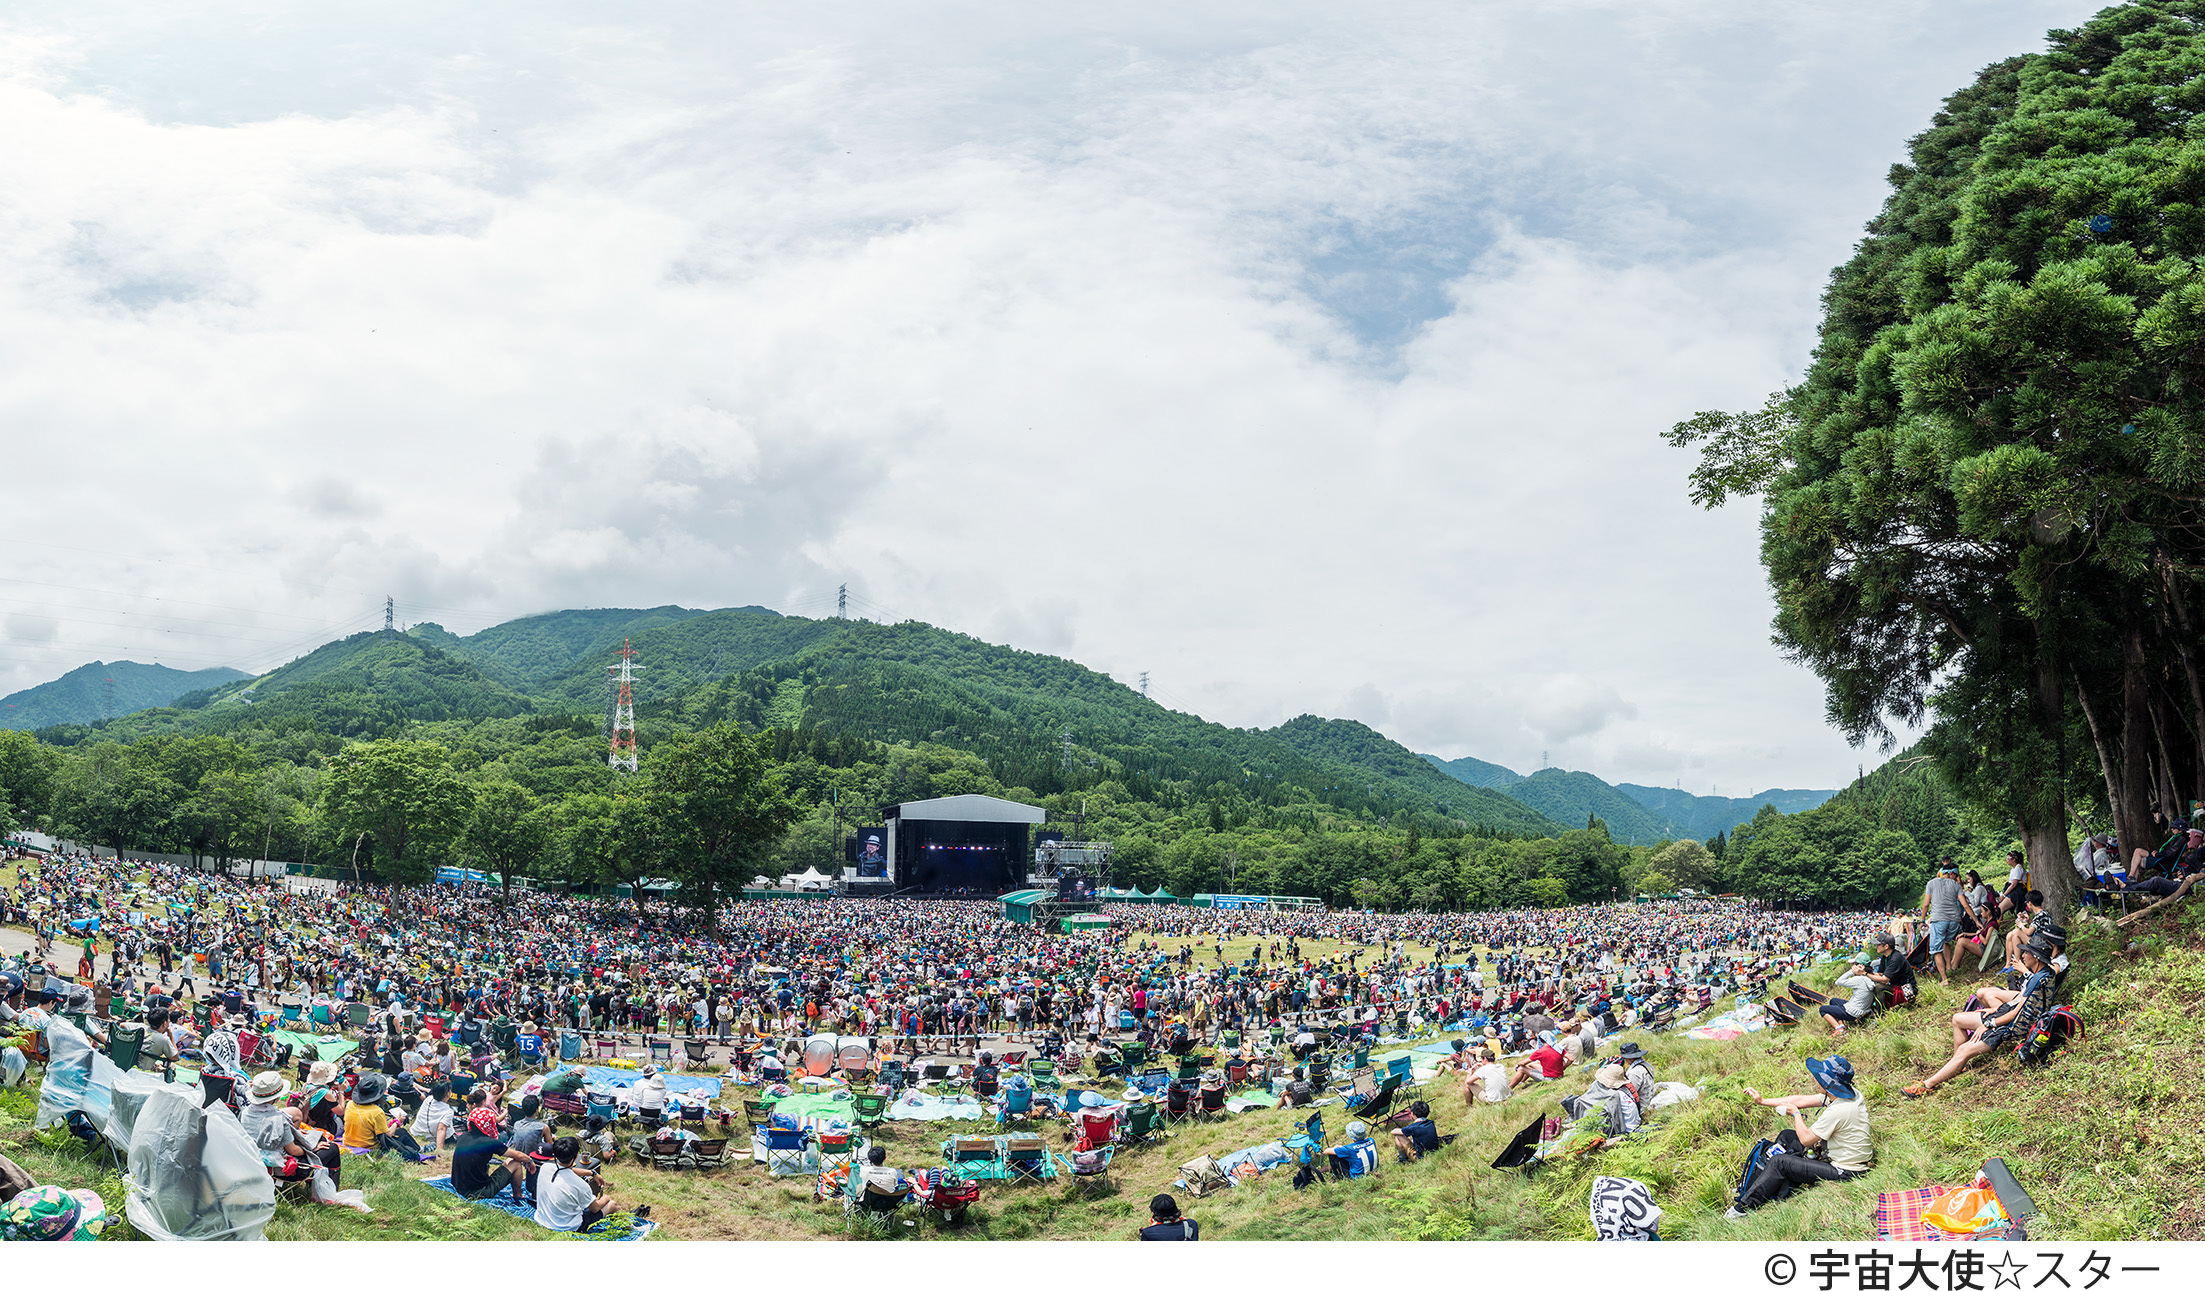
[(1757, 1160), (2057, 1027)]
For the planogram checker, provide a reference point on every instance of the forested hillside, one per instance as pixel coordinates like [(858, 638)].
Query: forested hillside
[(104, 690), (1700, 815), (853, 717), (1578, 796), (1485, 775)]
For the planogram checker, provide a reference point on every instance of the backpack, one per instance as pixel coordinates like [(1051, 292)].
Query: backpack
[(1757, 1160), (2055, 1028)]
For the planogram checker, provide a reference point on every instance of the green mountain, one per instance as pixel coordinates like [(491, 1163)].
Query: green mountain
[(530, 652), (1570, 797), (1039, 725), (1485, 775), (365, 686), (85, 695), (1397, 770), (1697, 816)]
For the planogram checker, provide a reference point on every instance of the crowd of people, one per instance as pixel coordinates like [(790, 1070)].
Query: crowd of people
[(1535, 992)]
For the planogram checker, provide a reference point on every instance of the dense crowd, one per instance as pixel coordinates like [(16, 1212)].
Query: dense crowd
[(936, 972)]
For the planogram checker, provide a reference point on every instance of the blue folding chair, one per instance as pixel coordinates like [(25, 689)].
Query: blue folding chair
[(570, 1046), (785, 1149)]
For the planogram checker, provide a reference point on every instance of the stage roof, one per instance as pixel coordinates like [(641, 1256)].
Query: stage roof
[(970, 806)]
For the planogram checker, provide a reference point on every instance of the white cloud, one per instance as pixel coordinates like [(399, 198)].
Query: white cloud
[(1273, 350)]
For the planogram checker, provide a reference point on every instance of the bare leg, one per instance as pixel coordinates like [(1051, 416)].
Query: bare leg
[(1960, 1058), (1965, 1025)]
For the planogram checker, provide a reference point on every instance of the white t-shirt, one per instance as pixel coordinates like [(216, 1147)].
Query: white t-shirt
[(1492, 1080), (562, 1198), (434, 1112)]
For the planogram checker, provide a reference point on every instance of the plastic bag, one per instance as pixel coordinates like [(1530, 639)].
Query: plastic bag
[(324, 1190), (1965, 1210), (193, 1174)]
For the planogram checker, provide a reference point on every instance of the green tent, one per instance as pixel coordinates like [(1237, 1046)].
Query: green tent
[(1018, 907)]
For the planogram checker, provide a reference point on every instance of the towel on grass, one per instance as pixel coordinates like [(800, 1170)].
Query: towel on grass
[(1899, 1218), (504, 1202)]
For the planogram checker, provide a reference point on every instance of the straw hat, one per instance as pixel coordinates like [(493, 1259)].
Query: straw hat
[(1611, 1076)]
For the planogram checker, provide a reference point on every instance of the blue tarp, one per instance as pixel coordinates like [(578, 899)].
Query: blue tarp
[(621, 1078), (503, 1202)]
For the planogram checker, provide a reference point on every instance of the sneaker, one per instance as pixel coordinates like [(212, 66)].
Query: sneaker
[(1734, 1214)]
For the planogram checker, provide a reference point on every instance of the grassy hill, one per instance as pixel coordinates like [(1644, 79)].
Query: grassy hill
[(2101, 1138), (104, 690)]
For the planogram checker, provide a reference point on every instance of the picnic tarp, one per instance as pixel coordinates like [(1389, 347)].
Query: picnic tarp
[(328, 1048), (912, 1105), (617, 1080), (504, 1204)]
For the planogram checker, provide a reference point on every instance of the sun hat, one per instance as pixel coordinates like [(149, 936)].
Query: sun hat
[(1834, 1074), (1611, 1076), (371, 1089), (1357, 1131), (51, 1213), (321, 1073), (267, 1087), (423, 1034), (1629, 1053)]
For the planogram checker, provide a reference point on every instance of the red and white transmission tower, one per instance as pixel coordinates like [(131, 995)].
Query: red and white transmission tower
[(623, 727)]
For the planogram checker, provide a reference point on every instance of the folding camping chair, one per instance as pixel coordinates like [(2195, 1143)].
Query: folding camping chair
[(570, 1046), (357, 1014), (892, 1075), (606, 1108), (1179, 1101), (786, 1148), (294, 1017), (869, 1109), (216, 1089), (1026, 1156), (607, 1047), (662, 1051), (693, 1050), (463, 1084), (1091, 1170), (1213, 1102), (1362, 1087), (1018, 1102), (1402, 1071), (1043, 1073), (666, 1154), (838, 1147), (1133, 1053), (708, 1154), (124, 1042), (1143, 1124)]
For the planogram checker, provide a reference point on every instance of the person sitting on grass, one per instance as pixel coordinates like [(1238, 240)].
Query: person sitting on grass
[(1357, 1155), (368, 1127), (1166, 1224), (1412, 1141), (1547, 1062), (601, 1144), (1835, 1147), (1300, 1092), (570, 1199), (434, 1121), (1842, 1013), (1488, 1080), (2000, 1025), (483, 1164)]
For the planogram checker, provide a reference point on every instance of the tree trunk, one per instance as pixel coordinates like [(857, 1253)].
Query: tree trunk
[(2132, 814), (2044, 828), (2184, 651), (2098, 741)]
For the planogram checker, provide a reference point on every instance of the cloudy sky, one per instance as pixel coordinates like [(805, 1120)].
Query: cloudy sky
[(1311, 357)]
